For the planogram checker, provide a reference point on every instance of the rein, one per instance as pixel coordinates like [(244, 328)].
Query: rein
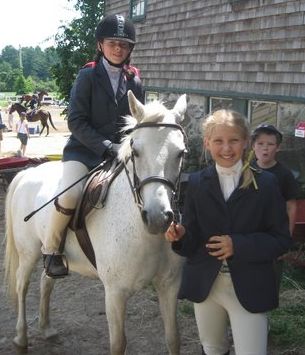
[(136, 185)]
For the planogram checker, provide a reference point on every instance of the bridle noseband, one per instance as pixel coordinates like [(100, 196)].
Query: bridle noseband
[(137, 184)]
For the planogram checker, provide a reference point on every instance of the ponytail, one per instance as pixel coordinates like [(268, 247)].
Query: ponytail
[(248, 176)]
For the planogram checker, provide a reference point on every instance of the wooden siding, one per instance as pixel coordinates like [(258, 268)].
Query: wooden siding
[(244, 46)]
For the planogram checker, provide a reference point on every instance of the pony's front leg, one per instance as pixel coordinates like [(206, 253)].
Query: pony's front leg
[(167, 295), (46, 287), (115, 301), (40, 133)]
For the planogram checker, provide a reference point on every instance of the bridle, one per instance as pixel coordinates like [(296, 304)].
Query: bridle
[(137, 184)]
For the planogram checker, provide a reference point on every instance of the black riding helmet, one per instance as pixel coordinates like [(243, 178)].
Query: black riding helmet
[(116, 27)]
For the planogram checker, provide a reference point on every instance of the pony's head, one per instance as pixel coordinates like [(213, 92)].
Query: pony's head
[(17, 107), (155, 149), (12, 108)]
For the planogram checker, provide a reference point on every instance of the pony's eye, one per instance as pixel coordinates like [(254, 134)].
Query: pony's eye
[(135, 152)]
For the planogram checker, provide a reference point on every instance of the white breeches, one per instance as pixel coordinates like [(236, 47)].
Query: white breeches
[(221, 307), (72, 171)]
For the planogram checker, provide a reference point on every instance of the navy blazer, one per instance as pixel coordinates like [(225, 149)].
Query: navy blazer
[(96, 115), (257, 222)]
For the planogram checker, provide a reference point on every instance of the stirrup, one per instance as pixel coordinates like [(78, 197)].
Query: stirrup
[(55, 265)]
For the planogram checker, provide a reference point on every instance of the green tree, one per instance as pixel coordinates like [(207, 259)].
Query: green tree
[(35, 64), (6, 77), (29, 84), (20, 85), (11, 55), (76, 44)]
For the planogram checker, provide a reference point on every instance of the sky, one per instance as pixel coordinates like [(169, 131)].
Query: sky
[(31, 23)]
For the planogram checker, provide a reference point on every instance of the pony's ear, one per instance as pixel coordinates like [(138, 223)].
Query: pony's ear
[(136, 107), (180, 107)]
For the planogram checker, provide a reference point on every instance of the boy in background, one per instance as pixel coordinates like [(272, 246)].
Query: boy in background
[(266, 141)]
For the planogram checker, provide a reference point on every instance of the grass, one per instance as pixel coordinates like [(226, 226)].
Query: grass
[(3, 103), (287, 322), (186, 308)]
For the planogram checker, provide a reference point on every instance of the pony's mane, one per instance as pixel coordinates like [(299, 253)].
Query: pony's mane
[(154, 112)]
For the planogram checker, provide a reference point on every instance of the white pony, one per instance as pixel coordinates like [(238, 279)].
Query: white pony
[(127, 237)]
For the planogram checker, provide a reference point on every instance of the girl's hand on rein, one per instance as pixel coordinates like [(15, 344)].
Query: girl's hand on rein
[(220, 246), (175, 232)]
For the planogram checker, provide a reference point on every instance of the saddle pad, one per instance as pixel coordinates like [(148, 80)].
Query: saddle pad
[(94, 194)]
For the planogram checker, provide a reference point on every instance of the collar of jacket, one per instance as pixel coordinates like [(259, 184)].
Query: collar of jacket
[(210, 180)]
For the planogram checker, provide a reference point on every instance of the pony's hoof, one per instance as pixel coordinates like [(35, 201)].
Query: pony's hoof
[(20, 348), (49, 333)]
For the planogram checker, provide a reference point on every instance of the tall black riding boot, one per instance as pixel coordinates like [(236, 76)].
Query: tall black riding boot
[(55, 265)]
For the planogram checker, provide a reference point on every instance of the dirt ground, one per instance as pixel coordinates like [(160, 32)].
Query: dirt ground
[(77, 304)]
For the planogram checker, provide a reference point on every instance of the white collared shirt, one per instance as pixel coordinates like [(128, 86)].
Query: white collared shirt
[(229, 178), (114, 74)]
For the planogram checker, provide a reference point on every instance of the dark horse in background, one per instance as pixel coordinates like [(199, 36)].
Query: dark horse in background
[(28, 97), (31, 116)]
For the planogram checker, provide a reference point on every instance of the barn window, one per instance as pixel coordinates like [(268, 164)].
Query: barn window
[(151, 96), (217, 103), (263, 112), (137, 9)]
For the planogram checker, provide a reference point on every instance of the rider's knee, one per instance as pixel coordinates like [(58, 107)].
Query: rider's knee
[(70, 198)]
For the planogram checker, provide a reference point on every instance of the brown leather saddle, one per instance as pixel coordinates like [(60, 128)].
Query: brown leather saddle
[(94, 196)]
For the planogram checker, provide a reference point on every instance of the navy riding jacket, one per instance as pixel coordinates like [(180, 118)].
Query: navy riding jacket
[(96, 114), (257, 222)]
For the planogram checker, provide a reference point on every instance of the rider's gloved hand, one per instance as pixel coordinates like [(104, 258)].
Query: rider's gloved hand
[(113, 149)]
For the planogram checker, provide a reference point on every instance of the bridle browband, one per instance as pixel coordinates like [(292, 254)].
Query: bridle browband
[(137, 185)]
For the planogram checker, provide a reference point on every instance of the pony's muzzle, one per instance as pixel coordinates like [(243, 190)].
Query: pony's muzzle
[(157, 224)]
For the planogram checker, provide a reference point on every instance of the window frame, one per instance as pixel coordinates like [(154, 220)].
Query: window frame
[(137, 17)]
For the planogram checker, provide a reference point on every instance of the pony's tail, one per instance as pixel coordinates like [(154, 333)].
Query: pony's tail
[(11, 258), (52, 124)]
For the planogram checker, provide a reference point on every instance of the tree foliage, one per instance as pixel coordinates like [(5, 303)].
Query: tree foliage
[(10, 55), (20, 84), (33, 64), (76, 43)]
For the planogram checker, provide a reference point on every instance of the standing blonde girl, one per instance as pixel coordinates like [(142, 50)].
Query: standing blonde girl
[(234, 225), (22, 130)]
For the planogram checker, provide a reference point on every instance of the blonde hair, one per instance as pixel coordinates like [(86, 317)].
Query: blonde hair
[(232, 118)]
